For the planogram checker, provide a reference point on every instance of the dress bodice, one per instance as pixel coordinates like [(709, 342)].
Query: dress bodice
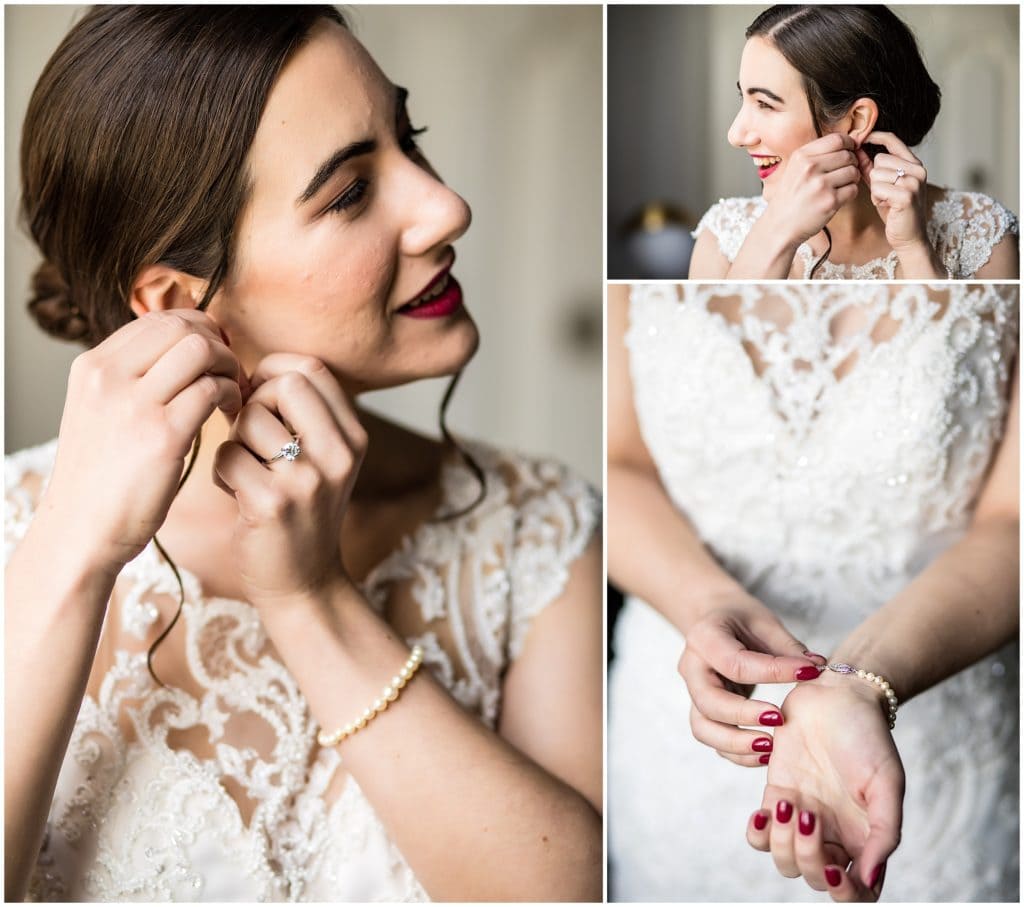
[(216, 789), (963, 227), (835, 432)]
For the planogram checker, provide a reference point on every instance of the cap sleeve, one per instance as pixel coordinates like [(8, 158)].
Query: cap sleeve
[(557, 513), (968, 226), (730, 220), (26, 474)]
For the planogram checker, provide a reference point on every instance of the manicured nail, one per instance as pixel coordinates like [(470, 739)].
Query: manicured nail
[(808, 673), (833, 876), (783, 811), (806, 822), (764, 759), (760, 821), (762, 745), (875, 875), (770, 718)]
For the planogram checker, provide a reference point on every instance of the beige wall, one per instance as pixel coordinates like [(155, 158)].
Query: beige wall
[(512, 96)]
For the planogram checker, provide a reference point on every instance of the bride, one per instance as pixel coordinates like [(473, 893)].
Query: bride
[(385, 679), (799, 473), (832, 99)]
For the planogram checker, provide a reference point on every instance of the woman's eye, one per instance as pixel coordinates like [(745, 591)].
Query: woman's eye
[(408, 143), (351, 197), (763, 106)]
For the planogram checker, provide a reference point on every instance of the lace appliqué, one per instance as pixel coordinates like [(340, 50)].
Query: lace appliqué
[(964, 228), (147, 809)]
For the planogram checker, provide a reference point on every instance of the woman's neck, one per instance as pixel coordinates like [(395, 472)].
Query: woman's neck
[(855, 219)]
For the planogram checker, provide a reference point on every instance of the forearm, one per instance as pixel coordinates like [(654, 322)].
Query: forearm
[(921, 262), (654, 553), (55, 602), (475, 818), (961, 608), (766, 254)]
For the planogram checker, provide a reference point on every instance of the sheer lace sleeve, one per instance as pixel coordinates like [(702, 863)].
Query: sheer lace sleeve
[(730, 219), (25, 476), (557, 513), (966, 227)]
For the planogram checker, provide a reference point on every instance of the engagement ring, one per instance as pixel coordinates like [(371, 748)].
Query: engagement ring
[(289, 452), (900, 173)]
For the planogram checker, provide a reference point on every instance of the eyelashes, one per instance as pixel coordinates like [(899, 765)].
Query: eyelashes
[(356, 191)]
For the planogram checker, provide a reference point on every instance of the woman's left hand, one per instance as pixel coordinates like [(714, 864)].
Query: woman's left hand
[(834, 791), (287, 540), (900, 200)]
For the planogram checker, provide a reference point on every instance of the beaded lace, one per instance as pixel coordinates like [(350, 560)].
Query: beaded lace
[(215, 789), (964, 228)]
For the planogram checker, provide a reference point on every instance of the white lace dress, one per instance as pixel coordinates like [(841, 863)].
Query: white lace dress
[(218, 791), (963, 227), (826, 442)]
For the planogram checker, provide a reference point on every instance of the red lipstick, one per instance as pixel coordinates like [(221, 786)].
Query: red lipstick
[(446, 303)]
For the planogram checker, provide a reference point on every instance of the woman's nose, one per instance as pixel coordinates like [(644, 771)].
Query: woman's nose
[(435, 215), (739, 133)]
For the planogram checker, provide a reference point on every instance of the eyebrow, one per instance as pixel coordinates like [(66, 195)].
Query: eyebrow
[(353, 150), (764, 91)]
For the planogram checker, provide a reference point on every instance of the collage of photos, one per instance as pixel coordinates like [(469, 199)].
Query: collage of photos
[(512, 453)]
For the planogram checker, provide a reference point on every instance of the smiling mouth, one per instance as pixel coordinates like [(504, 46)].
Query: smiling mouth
[(432, 292), (764, 163)]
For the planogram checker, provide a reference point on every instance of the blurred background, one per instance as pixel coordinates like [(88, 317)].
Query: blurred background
[(672, 96), (512, 96)]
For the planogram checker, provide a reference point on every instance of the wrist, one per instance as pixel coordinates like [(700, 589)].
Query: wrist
[(865, 683), (919, 260)]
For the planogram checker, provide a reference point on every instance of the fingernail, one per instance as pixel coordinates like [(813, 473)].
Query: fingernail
[(783, 811), (762, 745), (770, 718), (806, 822), (875, 874), (832, 876), (764, 759), (808, 673), (760, 821), (815, 655)]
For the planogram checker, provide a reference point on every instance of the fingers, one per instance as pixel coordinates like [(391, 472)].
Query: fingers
[(809, 849), (748, 748), (834, 141), (187, 412), (193, 355), (757, 830), (884, 797), (891, 143), (138, 345), (844, 176), (780, 838), (836, 160), (260, 431), (730, 658), (890, 164), (843, 886), (237, 471), (712, 699)]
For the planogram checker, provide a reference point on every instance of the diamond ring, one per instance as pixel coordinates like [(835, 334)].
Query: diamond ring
[(900, 173), (289, 452)]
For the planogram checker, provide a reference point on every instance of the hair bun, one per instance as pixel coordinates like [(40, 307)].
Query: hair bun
[(51, 306)]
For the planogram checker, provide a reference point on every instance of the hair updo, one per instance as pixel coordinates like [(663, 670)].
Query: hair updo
[(848, 52), (134, 146)]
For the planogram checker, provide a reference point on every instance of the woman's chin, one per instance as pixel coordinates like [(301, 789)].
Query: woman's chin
[(441, 359)]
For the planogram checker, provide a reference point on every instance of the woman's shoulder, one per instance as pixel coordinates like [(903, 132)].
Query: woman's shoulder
[(965, 228), (730, 220)]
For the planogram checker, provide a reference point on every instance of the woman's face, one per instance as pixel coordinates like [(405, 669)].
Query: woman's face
[(775, 117), (343, 249)]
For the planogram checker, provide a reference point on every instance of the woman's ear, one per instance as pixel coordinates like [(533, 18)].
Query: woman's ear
[(860, 121), (158, 288)]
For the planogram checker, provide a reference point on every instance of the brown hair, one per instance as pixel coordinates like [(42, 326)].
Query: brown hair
[(134, 146), (848, 52)]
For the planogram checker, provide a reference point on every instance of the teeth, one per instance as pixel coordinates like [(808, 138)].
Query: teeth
[(433, 292), (767, 161)]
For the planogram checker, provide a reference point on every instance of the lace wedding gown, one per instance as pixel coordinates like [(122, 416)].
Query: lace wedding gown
[(218, 791), (963, 227), (826, 442)]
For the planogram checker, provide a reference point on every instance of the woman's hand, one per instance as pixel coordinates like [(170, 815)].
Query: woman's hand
[(287, 538), (134, 406), (900, 200), (834, 792), (728, 650), (818, 180)]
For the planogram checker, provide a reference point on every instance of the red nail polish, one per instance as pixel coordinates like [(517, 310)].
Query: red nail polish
[(764, 759), (762, 745), (832, 876), (770, 718), (808, 673), (806, 822), (783, 811), (760, 821), (875, 874)]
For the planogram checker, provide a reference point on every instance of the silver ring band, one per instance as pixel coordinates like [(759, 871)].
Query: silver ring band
[(900, 173)]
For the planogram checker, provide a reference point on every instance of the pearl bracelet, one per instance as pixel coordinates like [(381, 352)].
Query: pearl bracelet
[(891, 702), (388, 695)]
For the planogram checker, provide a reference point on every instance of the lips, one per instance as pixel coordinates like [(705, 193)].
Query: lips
[(442, 297), (765, 163)]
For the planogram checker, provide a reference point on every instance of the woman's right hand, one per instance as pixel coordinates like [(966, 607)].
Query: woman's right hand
[(818, 180), (134, 406), (729, 649)]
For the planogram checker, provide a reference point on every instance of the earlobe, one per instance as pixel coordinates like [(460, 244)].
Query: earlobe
[(861, 120), (159, 288)]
